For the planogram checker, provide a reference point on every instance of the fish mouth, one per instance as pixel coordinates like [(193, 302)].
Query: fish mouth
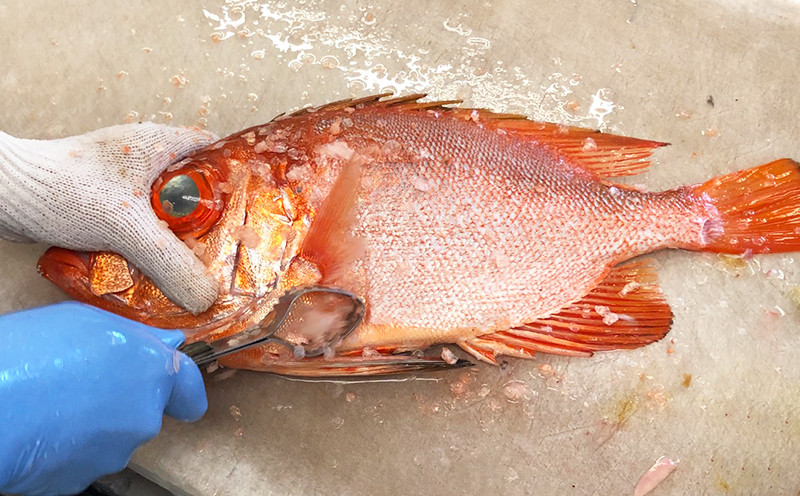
[(106, 280), (71, 271)]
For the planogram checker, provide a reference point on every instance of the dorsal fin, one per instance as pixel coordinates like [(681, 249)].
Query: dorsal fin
[(626, 310), (606, 155), (405, 102), (341, 104)]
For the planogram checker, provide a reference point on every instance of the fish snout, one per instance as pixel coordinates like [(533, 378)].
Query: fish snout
[(67, 269)]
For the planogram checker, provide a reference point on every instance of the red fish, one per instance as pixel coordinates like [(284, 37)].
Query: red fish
[(490, 231)]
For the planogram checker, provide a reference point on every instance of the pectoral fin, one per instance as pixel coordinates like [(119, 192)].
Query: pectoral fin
[(328, 244)]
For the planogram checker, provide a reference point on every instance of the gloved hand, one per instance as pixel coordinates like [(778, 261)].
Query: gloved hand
[(92, 192), (80, 389)]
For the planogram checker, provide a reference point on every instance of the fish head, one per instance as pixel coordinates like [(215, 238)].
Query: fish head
[(231, 207)]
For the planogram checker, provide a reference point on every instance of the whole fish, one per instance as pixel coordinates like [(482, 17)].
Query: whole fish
[(490, 231)]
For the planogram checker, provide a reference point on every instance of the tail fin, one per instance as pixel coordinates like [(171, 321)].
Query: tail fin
[(758, 209)]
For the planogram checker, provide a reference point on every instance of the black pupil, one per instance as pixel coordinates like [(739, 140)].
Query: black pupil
[(180, 196)]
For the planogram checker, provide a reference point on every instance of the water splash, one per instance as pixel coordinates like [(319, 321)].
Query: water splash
[(456, 28), (226, 26), (601, 107), (368, 56)]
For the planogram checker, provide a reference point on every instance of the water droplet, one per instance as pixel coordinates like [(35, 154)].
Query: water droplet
[(516, 391), (589, 145)]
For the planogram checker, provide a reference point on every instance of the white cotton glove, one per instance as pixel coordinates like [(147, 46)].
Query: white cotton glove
[(92, 192)]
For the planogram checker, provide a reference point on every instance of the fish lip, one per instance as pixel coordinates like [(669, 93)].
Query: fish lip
[(65, 267)]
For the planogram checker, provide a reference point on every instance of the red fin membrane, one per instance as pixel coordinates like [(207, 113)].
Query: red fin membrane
[(759, 209), (626, 310), (606, 155), (328, 243)]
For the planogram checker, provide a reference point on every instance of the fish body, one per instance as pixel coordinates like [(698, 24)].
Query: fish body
[(490, 231)]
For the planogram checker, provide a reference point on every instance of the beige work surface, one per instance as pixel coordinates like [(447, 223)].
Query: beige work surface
[(718, 80)]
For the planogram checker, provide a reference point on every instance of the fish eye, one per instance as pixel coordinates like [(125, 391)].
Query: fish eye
[(189, 199), (179, 196)]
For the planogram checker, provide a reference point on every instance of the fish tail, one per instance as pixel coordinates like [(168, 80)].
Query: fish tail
[(752, 211)]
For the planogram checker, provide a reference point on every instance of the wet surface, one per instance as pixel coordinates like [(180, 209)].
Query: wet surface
[(720, 393)]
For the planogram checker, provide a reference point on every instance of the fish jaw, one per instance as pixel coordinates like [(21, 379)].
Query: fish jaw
[(81, 277), (71, 271), (85, 277)]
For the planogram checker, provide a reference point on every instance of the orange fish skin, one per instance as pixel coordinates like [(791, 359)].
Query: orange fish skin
[(450, 224)]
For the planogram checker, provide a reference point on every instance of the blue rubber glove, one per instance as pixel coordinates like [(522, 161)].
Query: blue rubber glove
[(80, 390)]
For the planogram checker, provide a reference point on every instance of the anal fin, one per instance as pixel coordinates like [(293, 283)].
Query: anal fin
[(626, 310)]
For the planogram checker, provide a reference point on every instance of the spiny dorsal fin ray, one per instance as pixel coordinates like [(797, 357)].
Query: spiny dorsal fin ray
[(405, 102)]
